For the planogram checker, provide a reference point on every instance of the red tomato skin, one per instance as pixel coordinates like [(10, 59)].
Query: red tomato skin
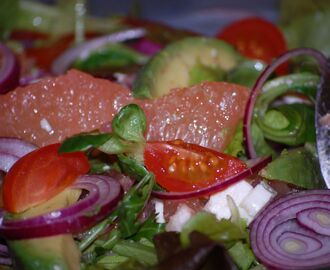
[(195, 167), (256, 38), (39, 176)]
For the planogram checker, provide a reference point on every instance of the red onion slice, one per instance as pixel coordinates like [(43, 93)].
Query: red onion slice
[(63, 62), (9, 70), (316, 219), (16, 147), (319, 57), (147, 46), (104, 194), (254, 166), (11, 149), (7, 161), (280, 241)]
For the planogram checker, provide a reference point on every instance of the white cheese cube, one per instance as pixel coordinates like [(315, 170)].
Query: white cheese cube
[(218, 204), (181, 216), (257, 199), (159, 211)]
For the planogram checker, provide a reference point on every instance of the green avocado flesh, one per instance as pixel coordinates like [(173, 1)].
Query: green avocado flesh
[(173, 66), (47, 253), (58, 252)]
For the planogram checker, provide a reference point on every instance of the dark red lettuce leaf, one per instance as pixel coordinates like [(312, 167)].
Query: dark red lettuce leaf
[(201, 254)]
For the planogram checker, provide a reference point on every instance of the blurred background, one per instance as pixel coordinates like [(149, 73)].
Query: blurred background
[(207, 16), (202, 16)]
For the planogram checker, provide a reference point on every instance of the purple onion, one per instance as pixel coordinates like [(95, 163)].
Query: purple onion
[(254, 166), (64, 61), (146, 46), (280, 241), (316, 219), (9, 70), (12, 149), (104, 194)]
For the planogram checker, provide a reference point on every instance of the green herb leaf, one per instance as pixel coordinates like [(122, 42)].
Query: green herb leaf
[(242, 255), (246, 73), (261, 146), (132, 204), (223, 231), (149, 229), (137, 251), (236, 147), (289, 124), (130, 123), (83, 142), (112, 262), (299, 167), (131, 167), (116, 145), (8, 16), (111, 56)]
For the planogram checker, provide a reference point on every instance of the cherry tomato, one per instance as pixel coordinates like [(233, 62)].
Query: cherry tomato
[(256, 38), (180, 166), (40, 175)]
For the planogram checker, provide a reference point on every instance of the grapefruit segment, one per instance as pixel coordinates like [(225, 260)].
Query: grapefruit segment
[(56, 108), (206, 114)]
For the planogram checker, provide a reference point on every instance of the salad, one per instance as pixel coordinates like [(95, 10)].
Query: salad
[(128, 144)]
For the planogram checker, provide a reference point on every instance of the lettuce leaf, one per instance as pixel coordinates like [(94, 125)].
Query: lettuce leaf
[(306, 23)]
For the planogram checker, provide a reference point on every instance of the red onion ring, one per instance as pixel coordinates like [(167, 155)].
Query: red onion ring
[(9, 70), (63, 62), (280, 241), (319, 57), (254, 166), (104, 194), (12, 149), (146, 46)]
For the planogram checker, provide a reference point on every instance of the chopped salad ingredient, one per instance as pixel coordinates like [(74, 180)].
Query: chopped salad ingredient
[(293, 231), (256, 38), (39, 175), (185, 167)]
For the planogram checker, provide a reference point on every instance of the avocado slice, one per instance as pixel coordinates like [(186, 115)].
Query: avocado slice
[(173, 66), (47, 253)]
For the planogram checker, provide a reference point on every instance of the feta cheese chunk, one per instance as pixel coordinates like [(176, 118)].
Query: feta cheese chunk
[(257, 199), (181, 216), (159, 211), (218, 203)]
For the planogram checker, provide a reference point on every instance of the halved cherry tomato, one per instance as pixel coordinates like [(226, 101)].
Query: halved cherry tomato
[(40, 175), (256, 38), (180, 166)]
